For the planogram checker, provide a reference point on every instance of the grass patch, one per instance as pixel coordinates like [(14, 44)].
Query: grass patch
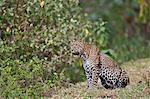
[(138, 89)]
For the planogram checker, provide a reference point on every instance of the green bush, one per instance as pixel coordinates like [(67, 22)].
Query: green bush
[(34, 50), (128, 48)]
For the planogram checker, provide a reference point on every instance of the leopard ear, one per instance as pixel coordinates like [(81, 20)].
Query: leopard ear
[(77, 38), (72, 40)]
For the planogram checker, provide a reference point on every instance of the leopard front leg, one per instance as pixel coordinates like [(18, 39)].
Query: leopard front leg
[(88, 73), (89, 79), (95, 76), (92, 76)]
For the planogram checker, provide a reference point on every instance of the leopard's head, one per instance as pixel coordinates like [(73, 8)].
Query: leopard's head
[(77, 47)]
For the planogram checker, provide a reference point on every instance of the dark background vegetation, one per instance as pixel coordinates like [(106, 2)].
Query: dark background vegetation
[(35, 35)]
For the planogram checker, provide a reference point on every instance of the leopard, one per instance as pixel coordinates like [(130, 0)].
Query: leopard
[(98, 65), (90, 60)]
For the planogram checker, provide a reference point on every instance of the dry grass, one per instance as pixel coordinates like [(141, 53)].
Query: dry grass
[(139, 88)]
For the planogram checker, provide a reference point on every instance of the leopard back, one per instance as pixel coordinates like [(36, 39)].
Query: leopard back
[(107, 61)]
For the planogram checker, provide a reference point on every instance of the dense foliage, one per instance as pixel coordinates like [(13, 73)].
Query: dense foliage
[(129, 24), (34, 45)]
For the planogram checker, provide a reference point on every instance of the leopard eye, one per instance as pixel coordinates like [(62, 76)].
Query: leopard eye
[(84, 54)]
